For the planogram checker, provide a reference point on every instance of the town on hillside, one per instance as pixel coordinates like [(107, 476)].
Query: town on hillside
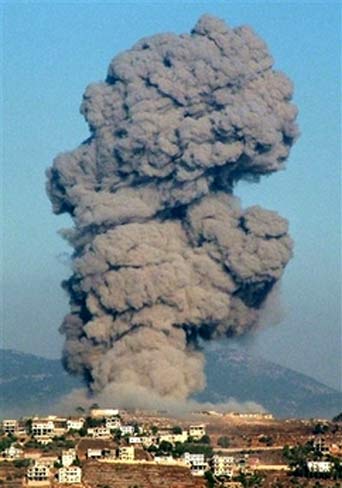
[(112, 448)]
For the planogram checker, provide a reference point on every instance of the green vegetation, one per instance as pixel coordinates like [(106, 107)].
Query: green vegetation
[(208, 475), (205, 440), (5, 443), (298, 456), (90, 422), (337, 418), (320, 429), (192, 448), (77, 462), (166, 448), (22, 463)]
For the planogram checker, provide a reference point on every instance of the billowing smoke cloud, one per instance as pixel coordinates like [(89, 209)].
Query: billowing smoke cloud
[(164, 255)]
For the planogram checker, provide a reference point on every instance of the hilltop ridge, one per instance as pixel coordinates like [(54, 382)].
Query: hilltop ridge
[(30, 383)]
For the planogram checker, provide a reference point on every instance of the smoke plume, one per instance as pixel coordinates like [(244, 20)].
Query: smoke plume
[(164, 256)]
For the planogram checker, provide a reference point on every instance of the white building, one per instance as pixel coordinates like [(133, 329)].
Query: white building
[(136, 440), (146, 441), (68, 457), (13, 453), (98, 432), (94, 453), (75, 424), (197, 431), (320, 445), (71, 474), (126, 453), (193, 458), (319, 466), (112, 423), (10, 426), (42, 428), (104, 412), (196, 462), (173, 438), (127, 429), (223, 465), (38, 472), (164, 460)]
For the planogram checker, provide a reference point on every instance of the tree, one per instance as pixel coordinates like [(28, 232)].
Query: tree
[(165, 447), (28, 426), (177, 430), (77, 462), (21, 463), (80, 410), (320, 429), (181, 448), (90, 422), (154, 429), (83, 432), (296, 458), (337, 418), (5, 443), (208, 475), (223, 442), (205, 440)]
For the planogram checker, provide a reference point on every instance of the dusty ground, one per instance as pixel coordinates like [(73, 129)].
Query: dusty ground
[(98, 475)]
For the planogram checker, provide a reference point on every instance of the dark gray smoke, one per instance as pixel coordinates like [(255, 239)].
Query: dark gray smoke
[(164, 255)]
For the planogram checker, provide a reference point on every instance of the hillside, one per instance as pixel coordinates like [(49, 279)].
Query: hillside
[(282, 391), (30, 384)]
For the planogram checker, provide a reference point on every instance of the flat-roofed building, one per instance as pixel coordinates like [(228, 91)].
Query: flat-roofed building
[(99, 432), (37, 472), (104, 412), (319, 466), (94, 453), (126, 453), (13, 453), (9, 426), (75, 424), (196, 462), (70, 475), (173, 438), (42, 428), (68, 457), (197, 431), (113, 423), (127, 429), (223, 465)]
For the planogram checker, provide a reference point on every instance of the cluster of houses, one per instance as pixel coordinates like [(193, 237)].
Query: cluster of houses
[(322, 465), (107, 425)]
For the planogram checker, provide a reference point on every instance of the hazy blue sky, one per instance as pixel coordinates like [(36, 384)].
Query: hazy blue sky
[(53, 50)]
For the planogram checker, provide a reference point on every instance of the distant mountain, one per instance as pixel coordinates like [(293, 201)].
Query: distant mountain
[(284, 392), (31, 384)]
